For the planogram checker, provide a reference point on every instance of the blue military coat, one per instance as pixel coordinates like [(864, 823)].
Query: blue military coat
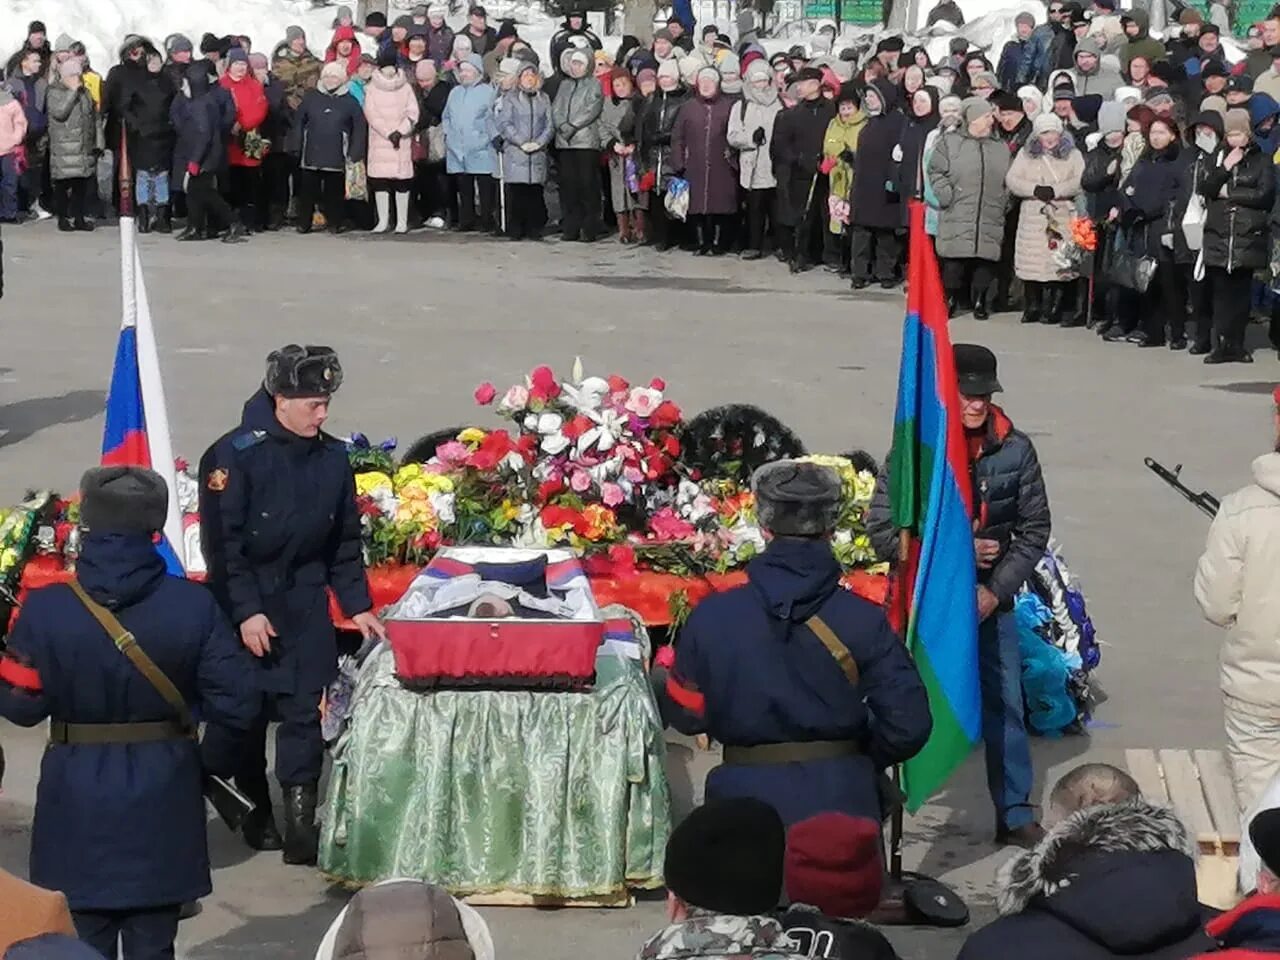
[(278, 523), (749, 672), (122, 826)]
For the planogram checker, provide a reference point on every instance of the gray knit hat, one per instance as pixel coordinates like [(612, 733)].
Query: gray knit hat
[(294, 32), (123, 500), (797, 499)]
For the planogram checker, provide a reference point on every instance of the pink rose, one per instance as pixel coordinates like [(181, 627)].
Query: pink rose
[(517, 398), (454, 451), (580, 481), (485, 394), (643, 401), (611, 494), (633, 475)]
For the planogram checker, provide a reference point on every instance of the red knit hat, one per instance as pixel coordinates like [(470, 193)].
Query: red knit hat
[(833, 863)]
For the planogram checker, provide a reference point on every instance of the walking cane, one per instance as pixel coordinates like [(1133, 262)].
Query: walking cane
[(803, 225), (502, 193)]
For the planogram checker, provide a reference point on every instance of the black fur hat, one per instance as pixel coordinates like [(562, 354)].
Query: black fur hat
[(726, 857), (796, 499), (294, 371), (735, 440), (123, 500)]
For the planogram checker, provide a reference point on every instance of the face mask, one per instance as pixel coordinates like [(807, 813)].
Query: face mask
[(1207, 140)]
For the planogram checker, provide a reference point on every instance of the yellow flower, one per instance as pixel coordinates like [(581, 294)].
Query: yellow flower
[(472, 435), (367, 483), (600, 521), (510, 510)]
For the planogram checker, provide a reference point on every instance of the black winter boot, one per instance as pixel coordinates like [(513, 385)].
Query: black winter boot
[(144, 218), (1034, 302), (301, 835), (236, 233), (260, 831), (1051, 305), (980, 309), (160, 223)]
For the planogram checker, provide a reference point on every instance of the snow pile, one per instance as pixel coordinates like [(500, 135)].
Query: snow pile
[(101, 25)]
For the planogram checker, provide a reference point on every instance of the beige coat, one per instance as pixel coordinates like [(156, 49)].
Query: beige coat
[(1032, 259), (1238, 586)]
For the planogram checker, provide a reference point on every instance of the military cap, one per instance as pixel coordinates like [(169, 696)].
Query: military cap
[(123, 500), (294, 371), (797, 499)]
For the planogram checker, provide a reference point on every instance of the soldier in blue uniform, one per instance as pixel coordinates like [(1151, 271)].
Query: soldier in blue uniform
[(278, 525), (120, 812), (805, 684)]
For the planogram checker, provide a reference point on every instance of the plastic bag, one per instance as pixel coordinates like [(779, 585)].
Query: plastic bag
[(677, 200), (357, 185)]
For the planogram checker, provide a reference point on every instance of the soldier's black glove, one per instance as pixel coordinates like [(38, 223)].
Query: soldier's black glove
[(758, 137), (395, 137), (1043, 192)]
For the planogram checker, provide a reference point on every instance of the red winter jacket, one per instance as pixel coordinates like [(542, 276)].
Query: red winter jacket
[(251, 112), (1249, 932)]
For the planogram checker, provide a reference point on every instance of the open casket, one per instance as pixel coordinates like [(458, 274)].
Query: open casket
[(499, 617), (467, 762)]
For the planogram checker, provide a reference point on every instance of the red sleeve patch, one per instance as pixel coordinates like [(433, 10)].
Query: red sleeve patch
[(17, 675), (686, 695)]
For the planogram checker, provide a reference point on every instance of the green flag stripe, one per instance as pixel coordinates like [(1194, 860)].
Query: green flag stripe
[(948, 745)]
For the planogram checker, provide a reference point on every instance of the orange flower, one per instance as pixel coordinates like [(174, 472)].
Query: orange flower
[(1083, 235)]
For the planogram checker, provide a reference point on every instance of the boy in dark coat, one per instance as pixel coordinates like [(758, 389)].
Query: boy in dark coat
[(144, 111), (756, 667), (120, 815), (834, 876), (1114, 877), (201, 151)]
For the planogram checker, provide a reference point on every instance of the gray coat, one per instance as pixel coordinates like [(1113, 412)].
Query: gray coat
[(576, 112), (74, 133), (524, 118), (967, 176)]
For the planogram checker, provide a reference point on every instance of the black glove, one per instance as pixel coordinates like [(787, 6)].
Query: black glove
[(758, 137), (1043, 192), (497, 143), (395, 137), (847, 156), (1130, 217)]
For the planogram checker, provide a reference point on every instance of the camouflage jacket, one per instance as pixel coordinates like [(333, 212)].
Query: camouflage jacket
[(717, 936)]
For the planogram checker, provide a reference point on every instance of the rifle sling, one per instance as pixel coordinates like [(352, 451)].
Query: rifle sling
[(127, 644)]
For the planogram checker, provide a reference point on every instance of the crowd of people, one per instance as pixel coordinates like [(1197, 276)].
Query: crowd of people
[(710, 144)]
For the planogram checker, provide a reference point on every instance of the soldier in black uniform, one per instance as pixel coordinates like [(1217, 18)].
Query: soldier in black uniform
[(278, 525)]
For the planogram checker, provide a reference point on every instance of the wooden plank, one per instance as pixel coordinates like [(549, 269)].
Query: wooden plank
[(1144, 769), (1215, 780), (1186, 795)]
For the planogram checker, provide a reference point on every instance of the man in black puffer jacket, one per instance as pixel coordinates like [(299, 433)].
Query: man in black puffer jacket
[(1011, 508)]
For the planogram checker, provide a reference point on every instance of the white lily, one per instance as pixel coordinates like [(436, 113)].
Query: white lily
[(548, 423), (610, 426), (442, 504), (587, 396), (555, 443), (577, 369)]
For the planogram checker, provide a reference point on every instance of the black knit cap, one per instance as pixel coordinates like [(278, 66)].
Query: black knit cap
[(294, 371), (726, 857), (376, 19), (1006, 100), (123, 500), (1264, 831)]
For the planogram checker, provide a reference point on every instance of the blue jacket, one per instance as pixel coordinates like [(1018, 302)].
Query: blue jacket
[(748, 671), (1010, 70), (122, 826), (328, 130), (200, 124), (468, 130), (278, 523)]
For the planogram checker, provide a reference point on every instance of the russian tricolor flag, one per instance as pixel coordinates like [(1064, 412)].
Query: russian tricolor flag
[(137, 427)]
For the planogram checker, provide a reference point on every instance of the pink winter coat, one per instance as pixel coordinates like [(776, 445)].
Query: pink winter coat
[(390, 105), (13, 123)]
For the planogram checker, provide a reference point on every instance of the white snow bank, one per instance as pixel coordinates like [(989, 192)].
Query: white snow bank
[(101, 25)]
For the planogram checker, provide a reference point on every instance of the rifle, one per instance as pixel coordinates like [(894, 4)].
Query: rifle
[(1205, 500)]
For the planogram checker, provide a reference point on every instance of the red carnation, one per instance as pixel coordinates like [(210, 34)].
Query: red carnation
[(576, 427), (491, 451), (667, 414), (543, 383), (671, 445), (617, 384), (657, 383), (485, 393), (548, 489)]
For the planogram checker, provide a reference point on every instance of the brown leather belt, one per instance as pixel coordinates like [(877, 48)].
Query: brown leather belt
[(766, 753), (151, 731)]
